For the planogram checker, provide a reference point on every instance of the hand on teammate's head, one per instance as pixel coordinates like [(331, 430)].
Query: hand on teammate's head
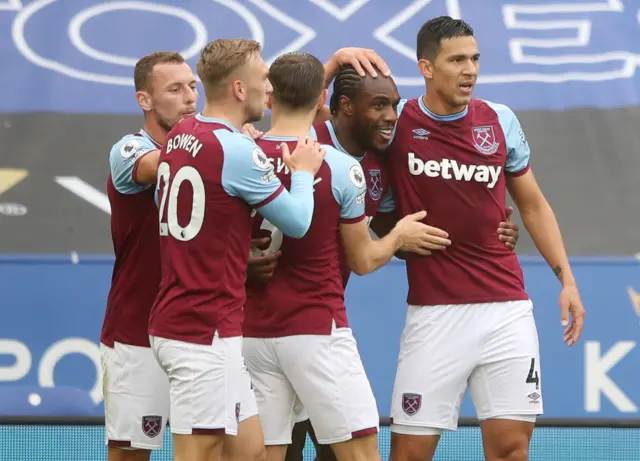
[(307, 156), (364, 61)]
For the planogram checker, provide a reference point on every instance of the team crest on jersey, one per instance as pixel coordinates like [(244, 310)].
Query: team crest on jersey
[(484, 140), (375, 188), (151, 425), (411, 403), (356, 175)]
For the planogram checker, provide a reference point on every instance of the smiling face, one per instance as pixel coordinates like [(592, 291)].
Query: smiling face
[(375, 113)]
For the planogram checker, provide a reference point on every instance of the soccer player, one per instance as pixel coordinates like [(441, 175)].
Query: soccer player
[(210, 177), (136, 390), (363, 112), (470, 322), (297, 342)]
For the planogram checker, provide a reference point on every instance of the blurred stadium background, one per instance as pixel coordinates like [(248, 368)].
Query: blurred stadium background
[(569, 69)]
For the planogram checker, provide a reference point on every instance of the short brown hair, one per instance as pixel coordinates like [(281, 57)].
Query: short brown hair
[(297, 80), (144, 67), (221, 57)]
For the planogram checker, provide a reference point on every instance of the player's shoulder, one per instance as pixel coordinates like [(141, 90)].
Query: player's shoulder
[(345, 169), (408, 109), (131, 146), (336, 159), (502, 111), (235, 141)]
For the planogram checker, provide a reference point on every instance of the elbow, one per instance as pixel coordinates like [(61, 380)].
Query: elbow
[(298, 228), (360, 267)]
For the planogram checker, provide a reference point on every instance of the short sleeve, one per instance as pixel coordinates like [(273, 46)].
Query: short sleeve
[(348, 184), (123, 160), (247, 172), (518, 152)]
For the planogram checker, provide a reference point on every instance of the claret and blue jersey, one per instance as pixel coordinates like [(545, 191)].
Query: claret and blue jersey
[(134, 232), (306, 295), (455, 167), (210, 178)]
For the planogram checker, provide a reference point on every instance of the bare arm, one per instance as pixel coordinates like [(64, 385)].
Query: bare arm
[(382, 224), (364, 254), (146, 171), (540, 221)]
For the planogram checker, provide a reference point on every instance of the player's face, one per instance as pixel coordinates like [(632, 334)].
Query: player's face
[(453, 74), (258, 86), (376, 113), (174, 93)]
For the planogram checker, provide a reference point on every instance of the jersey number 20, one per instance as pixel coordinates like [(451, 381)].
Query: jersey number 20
[(169, 203)]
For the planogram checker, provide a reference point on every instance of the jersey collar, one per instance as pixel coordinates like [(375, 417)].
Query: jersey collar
[(441, 118)]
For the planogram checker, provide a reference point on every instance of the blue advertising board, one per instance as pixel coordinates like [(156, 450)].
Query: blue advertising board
[(78, 56), (52, 309)]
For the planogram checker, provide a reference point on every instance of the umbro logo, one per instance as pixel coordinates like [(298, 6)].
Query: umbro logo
[(421, 133), (534, 397)]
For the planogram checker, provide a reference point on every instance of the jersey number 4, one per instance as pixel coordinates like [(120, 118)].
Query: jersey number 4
[(169, 224)]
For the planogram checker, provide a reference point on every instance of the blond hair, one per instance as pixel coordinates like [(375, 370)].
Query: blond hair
[(220, 58)]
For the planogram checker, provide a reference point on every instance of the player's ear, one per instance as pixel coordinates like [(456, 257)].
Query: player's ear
[(144, 100), (238, 90), (270, 102), (346, 106), (323, 98), (426, 68)]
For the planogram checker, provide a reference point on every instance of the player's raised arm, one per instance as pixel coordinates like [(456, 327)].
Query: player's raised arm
[(248, 174), (540, 221)]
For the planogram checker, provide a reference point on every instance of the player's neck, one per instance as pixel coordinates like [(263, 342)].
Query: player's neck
[(284, 123), (438, 106), (153, 129), (344, 134), (234, 115)]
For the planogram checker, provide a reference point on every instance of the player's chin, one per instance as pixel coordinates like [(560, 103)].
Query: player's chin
[(255, 116), (379, 148), (464, 98)]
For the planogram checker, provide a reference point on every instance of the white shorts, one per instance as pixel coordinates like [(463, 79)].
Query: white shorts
[(210, 389), (492, 348), (136, 397), (300, 414), (325, 373)]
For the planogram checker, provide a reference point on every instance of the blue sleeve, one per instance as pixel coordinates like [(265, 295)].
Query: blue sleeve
[(348, 183), (399, 112), (291, 212), (388, 203), (122, 162), (518, 152), (247, 172)]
